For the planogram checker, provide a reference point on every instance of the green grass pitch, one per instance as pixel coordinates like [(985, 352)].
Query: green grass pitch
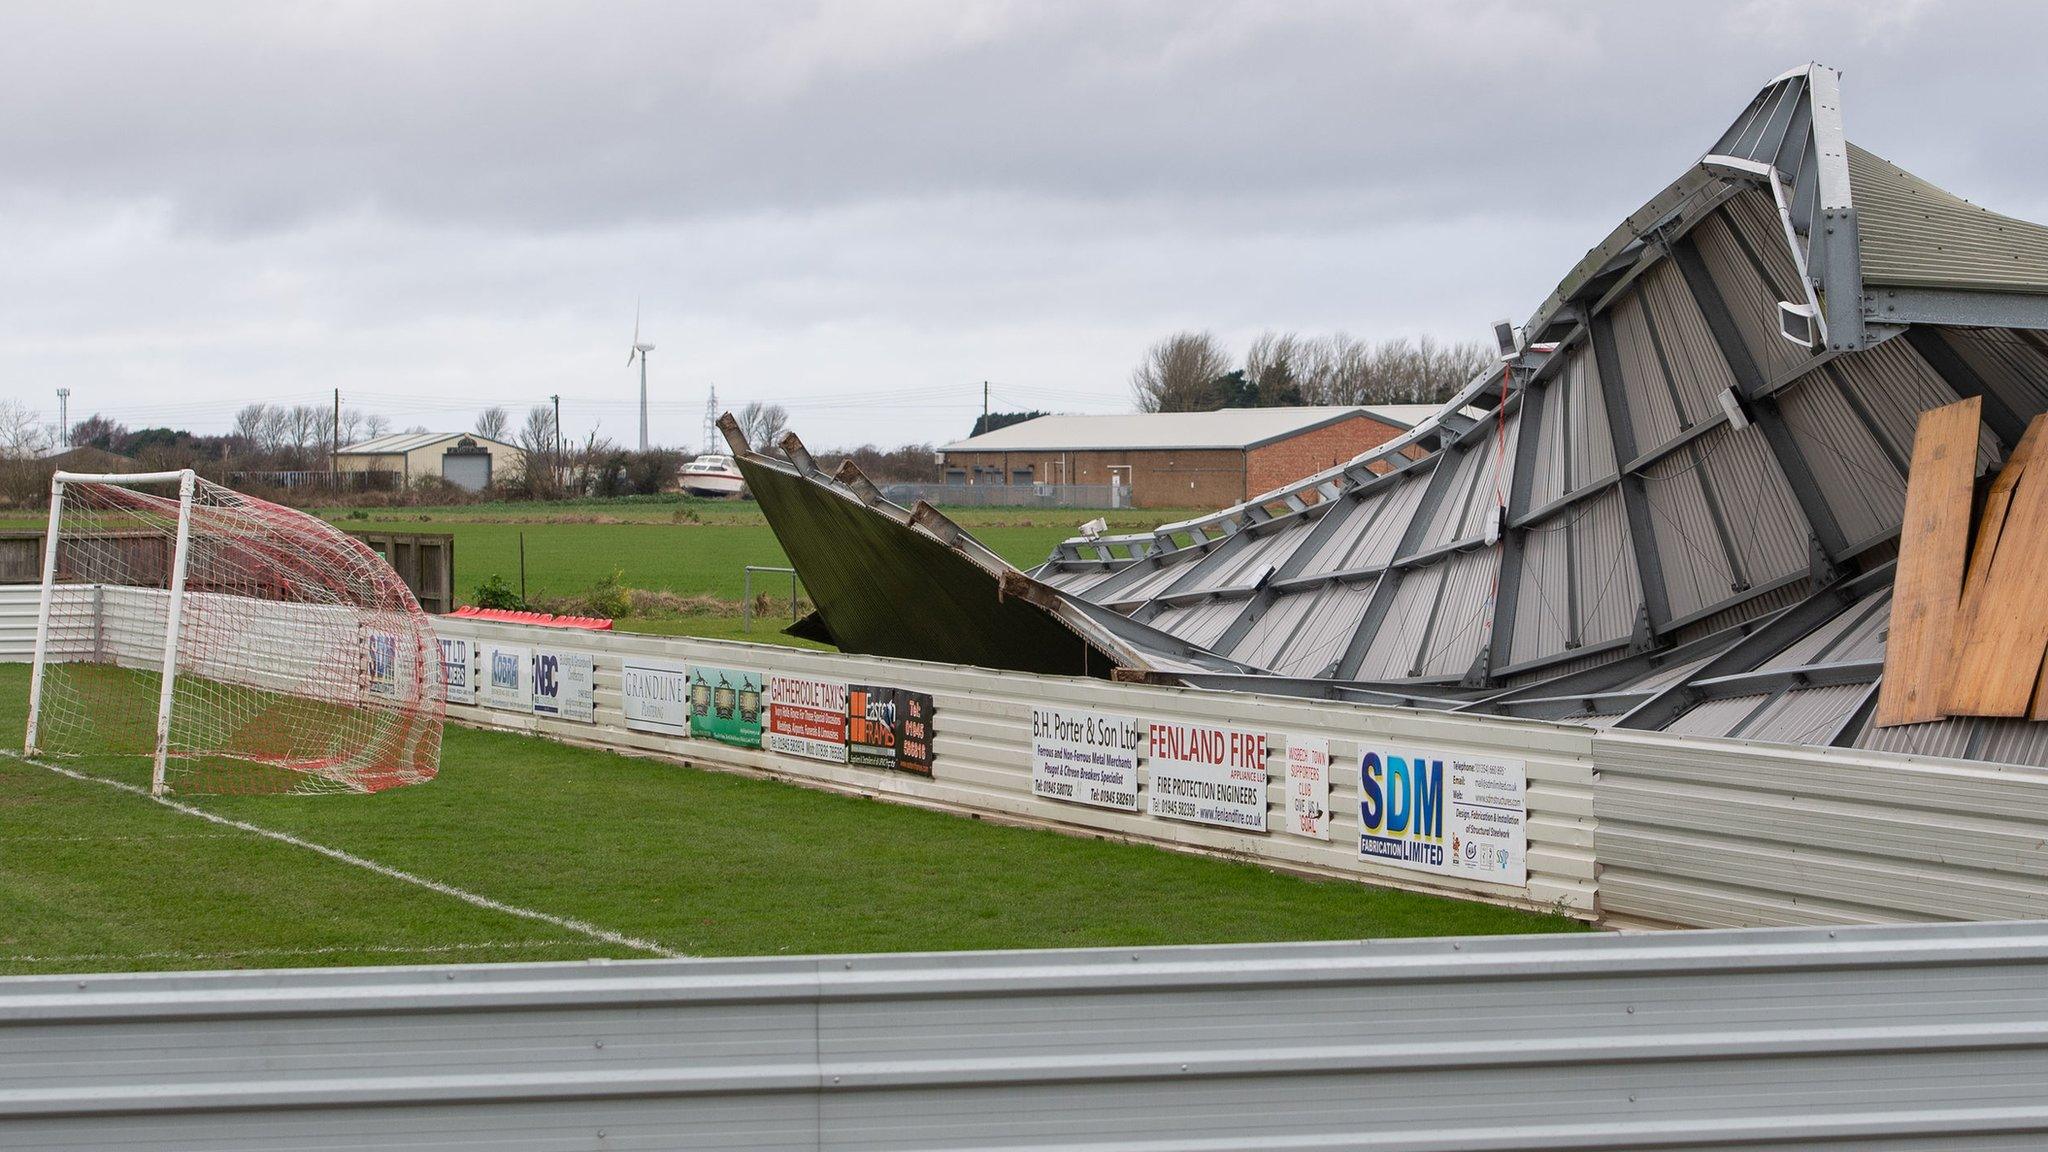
[(702, 863)]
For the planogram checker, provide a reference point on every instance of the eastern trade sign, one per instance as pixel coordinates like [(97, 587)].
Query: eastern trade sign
[(889, 728), (1444, 813)]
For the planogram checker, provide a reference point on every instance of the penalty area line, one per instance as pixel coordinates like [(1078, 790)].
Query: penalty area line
[(568, 923)]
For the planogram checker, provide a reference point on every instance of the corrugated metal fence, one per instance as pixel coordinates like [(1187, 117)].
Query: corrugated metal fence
[(1624, 827), (982, 760), (1919, 1037)]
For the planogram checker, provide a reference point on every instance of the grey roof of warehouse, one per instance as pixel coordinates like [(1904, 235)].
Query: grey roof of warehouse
[(1667, 515), (398, 443), (1227, 428)]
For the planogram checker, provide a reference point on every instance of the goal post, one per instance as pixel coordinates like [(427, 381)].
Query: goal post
[(228, 643)]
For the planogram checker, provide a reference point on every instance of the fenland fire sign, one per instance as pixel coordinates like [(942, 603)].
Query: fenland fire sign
[(1208, 775), (1444, 812)]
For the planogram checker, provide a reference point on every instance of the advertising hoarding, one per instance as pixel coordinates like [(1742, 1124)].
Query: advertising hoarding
[(1085, 757), (1205, 774), (1444, 812)]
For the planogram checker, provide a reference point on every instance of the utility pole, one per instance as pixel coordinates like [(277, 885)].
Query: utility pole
[(984, 408), (557, 398), (334, 458), (64, 418)]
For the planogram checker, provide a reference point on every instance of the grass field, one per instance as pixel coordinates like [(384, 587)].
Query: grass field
[(695, 549), (689, 547), (690, 862)]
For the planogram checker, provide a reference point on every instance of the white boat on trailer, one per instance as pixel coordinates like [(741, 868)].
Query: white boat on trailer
[(713, 476)]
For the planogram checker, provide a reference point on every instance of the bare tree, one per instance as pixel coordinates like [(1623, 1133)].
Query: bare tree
[(252, 427), (23, 436), (375, 425), (542, 446), (492, 422), (1179, 374), (763, 425)]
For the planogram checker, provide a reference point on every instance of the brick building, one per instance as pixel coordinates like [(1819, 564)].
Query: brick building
[(1178, 459)]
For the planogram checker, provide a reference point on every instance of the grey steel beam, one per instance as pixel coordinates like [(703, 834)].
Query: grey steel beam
[(1940, 355), (1837, 235), (1634, 499), (1749, 382), (1764, 641), (1958, 308), (1500, 629)]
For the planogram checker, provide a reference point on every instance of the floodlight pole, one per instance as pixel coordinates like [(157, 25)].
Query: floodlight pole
[(168, 684), (35, 676)]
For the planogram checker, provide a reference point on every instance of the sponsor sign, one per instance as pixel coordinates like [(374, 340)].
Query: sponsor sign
[(383, 664), (889, 728), (1208, 775), (1085, 757), (806, 718), (726, 705), (1442, 812), (508, 677), (655, 695), (456, 672), (1308, 786), (564, 685)]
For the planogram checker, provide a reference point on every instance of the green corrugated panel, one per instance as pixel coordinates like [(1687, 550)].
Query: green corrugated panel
[(884, 589), (1918, 236)]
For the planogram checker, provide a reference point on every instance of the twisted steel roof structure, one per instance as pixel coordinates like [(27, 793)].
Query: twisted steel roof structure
[(1660, 513)]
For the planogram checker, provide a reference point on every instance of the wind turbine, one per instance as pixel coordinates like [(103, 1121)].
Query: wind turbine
[(640, 350)]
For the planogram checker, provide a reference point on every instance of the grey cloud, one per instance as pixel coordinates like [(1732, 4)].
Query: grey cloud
[(209, 202)]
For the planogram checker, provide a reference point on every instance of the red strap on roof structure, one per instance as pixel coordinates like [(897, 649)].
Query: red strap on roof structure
[(538, 619)]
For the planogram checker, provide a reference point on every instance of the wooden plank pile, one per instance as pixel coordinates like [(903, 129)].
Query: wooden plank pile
[(1969, 621)]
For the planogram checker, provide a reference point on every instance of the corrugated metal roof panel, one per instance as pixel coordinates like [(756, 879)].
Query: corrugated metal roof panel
[(1610, 595), (1332, 618), (1224, 428), (2014, 364), (1392, 651), (1852, 634), (1371, 530), (1243, 566), (1696, 568), (1751, 282), (1917, 235), (1894, 384), (1862, 485), (1716, 717), (1462, 610), (1806, 715), (1764, 521), (1938, 738)]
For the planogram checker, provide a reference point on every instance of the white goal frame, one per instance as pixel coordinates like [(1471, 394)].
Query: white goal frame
[(186, 480)]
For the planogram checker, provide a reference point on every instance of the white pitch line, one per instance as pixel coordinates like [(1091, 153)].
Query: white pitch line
[(582, 927)]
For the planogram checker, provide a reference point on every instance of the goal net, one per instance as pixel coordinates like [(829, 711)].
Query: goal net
[(227, 644)]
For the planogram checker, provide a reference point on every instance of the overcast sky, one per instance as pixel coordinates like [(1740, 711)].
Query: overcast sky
[(861, 211)]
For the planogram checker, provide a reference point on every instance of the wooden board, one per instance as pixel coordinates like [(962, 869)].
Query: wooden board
[(1996, 501), (2005, 630), (1928, 588)]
